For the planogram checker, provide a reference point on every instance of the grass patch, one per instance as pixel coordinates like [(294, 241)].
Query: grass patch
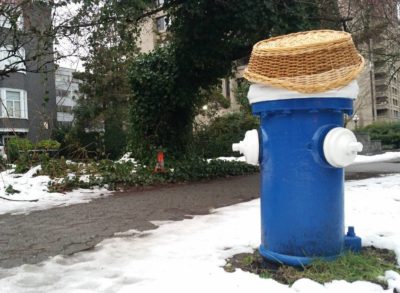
[(368, 265)]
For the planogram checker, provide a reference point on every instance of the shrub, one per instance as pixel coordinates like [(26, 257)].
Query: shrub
[(54, 167), (388, 133), (48, 144), (198, 169), (16, 145), (216, 139), (23, 163), (114, 174)]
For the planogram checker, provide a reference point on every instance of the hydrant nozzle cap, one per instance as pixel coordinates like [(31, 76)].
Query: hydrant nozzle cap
[(249, 147), (341, 147)]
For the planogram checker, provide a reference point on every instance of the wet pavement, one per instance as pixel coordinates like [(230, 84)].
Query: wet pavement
[(39, 235)]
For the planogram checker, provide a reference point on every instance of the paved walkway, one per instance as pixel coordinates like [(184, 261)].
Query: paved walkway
[(66, 230), (34, 237)]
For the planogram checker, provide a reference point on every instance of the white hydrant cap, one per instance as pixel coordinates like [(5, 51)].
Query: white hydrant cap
[(249, 147), (341, 147)]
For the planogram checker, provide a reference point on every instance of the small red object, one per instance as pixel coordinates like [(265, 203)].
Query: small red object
[(160, 162)]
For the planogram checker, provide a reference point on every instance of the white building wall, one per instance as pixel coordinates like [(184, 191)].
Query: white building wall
[(67, 94)]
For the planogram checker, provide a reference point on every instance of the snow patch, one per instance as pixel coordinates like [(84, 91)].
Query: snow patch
[(34, 195), (127, 158), (386, 157)]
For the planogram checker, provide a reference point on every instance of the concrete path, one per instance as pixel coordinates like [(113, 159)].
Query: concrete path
[(34, 237)]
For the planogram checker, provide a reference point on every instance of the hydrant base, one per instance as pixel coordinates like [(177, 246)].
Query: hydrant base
[(290, 260)]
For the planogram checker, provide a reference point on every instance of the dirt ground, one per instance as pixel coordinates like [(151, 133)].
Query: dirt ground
[(34, 237)]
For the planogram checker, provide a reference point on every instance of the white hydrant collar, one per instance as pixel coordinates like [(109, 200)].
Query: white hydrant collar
[(262, 93)]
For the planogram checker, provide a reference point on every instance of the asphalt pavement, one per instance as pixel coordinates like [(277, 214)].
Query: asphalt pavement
[(371, 170), (34, 237)]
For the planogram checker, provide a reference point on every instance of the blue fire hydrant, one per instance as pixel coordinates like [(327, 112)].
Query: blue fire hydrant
[(302, 148)]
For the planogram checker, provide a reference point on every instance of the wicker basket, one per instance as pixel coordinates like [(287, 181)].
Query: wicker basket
[(307, 62)]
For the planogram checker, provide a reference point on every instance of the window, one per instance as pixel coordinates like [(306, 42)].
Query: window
[(380, 75), (63, 78), (382, 112), (64, 109), (14, 103), (11, 58), (382, 100), (62, 93), (161, 23), (381, 88)]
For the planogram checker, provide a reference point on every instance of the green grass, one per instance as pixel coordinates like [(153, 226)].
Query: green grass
[(368, 265)]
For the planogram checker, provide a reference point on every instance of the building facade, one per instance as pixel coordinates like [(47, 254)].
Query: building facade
[(375, 28), (28, 104), (67, 94)]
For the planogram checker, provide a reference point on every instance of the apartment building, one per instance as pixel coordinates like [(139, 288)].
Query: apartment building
[(379, 82), (67, 94), (27, 92), (387, 92)]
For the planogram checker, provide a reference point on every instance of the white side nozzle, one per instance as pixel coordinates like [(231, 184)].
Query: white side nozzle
[(249, 147), (341, 147)]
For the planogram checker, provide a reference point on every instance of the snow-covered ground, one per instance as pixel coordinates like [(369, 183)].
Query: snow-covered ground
[(187, 256), (33, 193), (386, 157)]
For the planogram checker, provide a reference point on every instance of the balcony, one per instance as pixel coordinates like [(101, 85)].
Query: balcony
[(383, 106), (382, 102)]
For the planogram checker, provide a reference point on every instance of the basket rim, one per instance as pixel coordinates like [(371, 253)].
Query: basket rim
[(346, 38), (354, 70)]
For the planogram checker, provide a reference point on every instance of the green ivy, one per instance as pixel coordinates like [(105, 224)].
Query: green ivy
[(162, 111)]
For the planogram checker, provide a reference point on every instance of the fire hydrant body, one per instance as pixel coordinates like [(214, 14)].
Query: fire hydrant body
[(303, 85), (302, 202), (302, 175)]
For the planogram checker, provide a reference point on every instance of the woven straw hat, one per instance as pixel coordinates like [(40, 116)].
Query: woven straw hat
[(307, 62)]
